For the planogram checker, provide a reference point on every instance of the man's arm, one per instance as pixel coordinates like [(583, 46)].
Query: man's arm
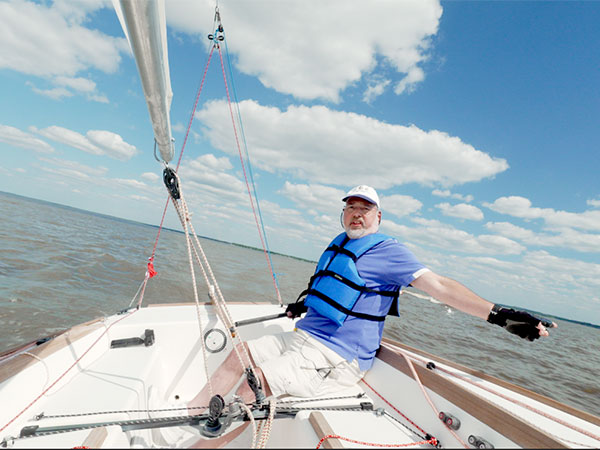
[(453, 294), (462, 298)]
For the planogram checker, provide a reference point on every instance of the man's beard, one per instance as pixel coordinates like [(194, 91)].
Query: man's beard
[(356, 233)]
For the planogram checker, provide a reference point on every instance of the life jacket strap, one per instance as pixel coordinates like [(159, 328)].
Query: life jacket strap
[(349, 283), (340, 249), (345, 310)]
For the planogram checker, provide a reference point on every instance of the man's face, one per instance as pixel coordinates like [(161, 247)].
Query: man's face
[(360, 217)]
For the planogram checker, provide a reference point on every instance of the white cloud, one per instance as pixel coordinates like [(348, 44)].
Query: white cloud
[(315, 197), (210, 161), (517, 207), (70, 85), (314, 49), (87, 178), (595, 203), (579, 272), (376, 87), (15, 137), (432, 233), (98, 171), (178, 127), (68, 137), (447, 193), (461, 211), (76, 83), (96, 142), (67, 169), (400, 205), (130, 183), (510, 230), (566, 238), (150, 176), (100, 98), (408, 84), (324, 146), (521, 207), (537, 280), (55, 93), (50, 40), (309, 236), (209, 170), (112, 144)]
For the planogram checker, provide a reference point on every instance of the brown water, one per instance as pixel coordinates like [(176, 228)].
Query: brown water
[(61, 266)]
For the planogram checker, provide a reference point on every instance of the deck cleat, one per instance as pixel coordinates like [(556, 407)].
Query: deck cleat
[(450, 421), (254, 384), (479, 442)]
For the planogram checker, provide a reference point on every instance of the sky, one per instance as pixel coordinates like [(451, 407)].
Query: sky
[(477, 122)]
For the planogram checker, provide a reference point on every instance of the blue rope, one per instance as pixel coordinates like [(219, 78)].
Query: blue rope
[(245, 145)]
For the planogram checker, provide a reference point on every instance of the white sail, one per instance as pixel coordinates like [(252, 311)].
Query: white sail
[(144, 23)]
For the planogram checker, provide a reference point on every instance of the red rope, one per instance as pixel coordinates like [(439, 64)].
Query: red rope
[(516, 402), (195, 106), (150, 268), (432, 441), (237, 141), (394, 408)]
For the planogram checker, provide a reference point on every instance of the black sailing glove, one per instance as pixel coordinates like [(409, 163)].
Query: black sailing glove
[(296, 309), (520, 323)]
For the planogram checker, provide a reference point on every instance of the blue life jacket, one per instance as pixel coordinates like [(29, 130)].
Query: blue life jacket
[(336, 285)]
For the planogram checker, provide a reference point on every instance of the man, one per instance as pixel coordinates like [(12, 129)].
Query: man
[(356, 284)]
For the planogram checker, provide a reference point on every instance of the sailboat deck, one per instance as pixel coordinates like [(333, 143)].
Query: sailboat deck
[(159, 380)]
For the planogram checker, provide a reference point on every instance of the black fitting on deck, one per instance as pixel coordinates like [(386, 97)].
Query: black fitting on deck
[(254, 384), (212, 427)]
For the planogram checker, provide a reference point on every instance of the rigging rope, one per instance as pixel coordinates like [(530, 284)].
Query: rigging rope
[(217, 37), (217, 298), (243, 135), (262, 235), (435, 409), (150, 272)]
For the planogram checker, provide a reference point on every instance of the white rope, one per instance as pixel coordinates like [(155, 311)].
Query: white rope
[(184, 217), (217, 300), (252, 421), (43, 362), (139, 289), (266, 432)]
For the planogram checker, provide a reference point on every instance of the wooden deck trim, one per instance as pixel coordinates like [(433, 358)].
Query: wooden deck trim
[(503, 422), (96, 438), (19, 362), (505, 384), (322, 428)]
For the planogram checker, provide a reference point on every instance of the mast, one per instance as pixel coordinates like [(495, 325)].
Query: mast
[(144, 23)]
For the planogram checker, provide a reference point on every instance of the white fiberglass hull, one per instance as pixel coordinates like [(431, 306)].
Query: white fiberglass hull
[(77, 378)]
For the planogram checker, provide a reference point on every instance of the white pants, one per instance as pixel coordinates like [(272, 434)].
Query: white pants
[(295, 363)]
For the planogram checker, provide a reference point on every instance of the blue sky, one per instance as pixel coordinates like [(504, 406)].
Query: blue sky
[(476, 121)]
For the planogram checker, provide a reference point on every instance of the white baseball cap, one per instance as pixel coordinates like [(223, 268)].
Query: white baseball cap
[(365, 192)]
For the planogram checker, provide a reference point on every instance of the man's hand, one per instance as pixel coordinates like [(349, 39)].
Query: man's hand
[(520, 323), (294, 310)]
